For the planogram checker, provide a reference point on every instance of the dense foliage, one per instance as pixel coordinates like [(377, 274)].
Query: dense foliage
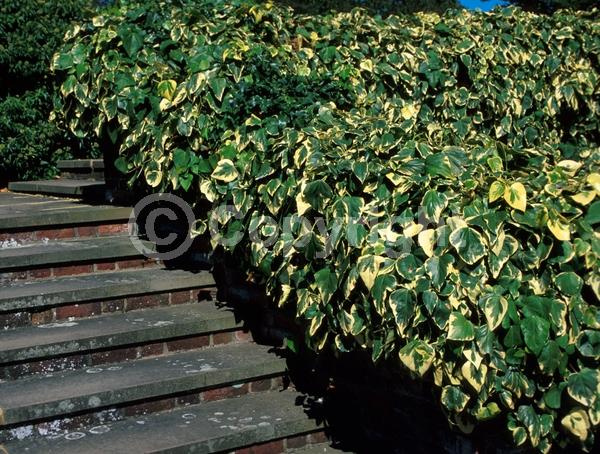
[(429, 183), (30, 32)]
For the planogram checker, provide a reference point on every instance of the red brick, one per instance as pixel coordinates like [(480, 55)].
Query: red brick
[(72, 270), (41, 318), (243, 336), (78, 310), (107, 266), (180, 297), (111, 229), (40, 273), (189, 343), (136, 263), (222, 338), (191, 399), (54, 234), (18, 236), (113, 356), (85, 231), (225, 393), (145, 301), (111, 306), (317, 437), (273, 447), (296, 442), (151, 407), (260, 385), (151, 349)]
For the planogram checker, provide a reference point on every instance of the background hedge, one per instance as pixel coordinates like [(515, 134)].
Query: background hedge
[(447, 169), (30, 32)]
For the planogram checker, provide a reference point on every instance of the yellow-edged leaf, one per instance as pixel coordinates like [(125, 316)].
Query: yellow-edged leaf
[(516, 196), (559, 230)]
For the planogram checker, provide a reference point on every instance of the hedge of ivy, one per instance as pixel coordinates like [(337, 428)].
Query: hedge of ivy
[(447, 168)]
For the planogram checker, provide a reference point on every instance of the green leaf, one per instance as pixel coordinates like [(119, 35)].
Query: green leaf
[(218, 85), (589, 344), (468, 243), (402, 303), (121, 165), (569, 283), (584, 386), (550, 358), (454, 399), (532, 423), (437, 269), (166, 89), (327, 283), (494, 308), (464, 46), (433, 204), (497, 190), (418, 356), (459, 328), (132, 42), (225, 171), (536, 331)]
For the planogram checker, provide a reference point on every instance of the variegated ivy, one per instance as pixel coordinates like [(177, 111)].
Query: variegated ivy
[(465, 144)]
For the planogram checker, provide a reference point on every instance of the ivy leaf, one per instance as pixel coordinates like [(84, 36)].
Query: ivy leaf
[(218, 85), (516, 196), (327, 283), (497, 190), (536, 331), (418, 356), (584, 386), (468, 243), (494, 308), (569, 283), (402, 303), (577, 423), (589, 344), (559, 229), (433, 204), (454, 399), (225, 171), (459, 328), (132, 42), (166, 89)]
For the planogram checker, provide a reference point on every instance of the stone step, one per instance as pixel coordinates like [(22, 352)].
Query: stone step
[(19, 296), (210, 427), (42, 254), (28, 213), (97, 333), (88, 189), (25, 400), (80, 165)]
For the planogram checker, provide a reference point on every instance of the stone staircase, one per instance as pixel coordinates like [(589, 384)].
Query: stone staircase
[(105, 350)]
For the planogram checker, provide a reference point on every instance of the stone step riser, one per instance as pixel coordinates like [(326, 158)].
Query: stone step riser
[(119, 354), (77, 269), (82, 175), (81, 422), (36, 317), (94, 230), (290, 444)]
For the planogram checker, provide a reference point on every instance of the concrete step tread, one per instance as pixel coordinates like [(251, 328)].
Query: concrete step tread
[(26, 295), (53, 252), (63, 393), (109, 331), (27, 211), (209, 427), (66, 187), (67, 392)]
